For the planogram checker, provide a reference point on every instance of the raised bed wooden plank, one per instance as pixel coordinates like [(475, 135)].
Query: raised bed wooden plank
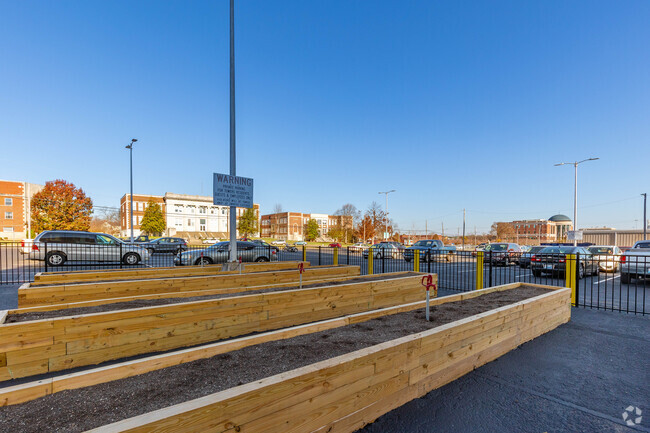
[(72, 277), (316, 397), (62, 294), (93, 338)]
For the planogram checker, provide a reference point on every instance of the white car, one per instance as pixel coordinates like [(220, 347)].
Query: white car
[(607, 256), (279, 242), (359, 246), (210, 241)]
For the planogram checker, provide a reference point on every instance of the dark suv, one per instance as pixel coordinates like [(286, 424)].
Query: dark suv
[(166, 245), (502, 253)]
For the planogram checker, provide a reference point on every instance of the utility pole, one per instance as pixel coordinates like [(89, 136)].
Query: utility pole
[(443, 229), (233, 159), (426, 231), (130, 147), (463, 229), (645, 219), (386, 209)]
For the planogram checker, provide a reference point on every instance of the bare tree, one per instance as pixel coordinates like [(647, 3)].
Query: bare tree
[(277, 208), (349, 209)]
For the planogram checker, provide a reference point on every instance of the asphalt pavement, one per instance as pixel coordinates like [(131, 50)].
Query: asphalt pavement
[(580, 377)]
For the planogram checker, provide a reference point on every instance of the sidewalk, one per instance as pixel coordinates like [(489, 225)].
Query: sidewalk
[(578, 378)]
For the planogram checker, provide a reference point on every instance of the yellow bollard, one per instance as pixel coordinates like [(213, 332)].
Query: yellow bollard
[(416, 261), (370, 261), (479, 270), (304, 253), (336, 256), (570, 269)]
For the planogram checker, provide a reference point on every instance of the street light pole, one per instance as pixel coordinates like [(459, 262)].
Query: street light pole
[(386, 209), (575, 194), (645, 221), (130, 147)]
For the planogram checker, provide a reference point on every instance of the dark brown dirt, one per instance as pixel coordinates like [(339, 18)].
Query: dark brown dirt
[(82, 409), (38, 315)]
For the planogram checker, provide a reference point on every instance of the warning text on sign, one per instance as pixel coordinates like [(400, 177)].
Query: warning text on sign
[(233, 190)]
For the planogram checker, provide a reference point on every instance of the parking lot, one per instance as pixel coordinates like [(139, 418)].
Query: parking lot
[(456, 272)]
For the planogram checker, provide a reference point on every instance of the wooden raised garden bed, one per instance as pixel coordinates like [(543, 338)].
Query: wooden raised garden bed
[(50, 278), (33, 347), (73, 293), (337, 378)]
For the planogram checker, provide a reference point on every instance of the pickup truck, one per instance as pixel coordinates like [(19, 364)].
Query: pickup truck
[(635, 262), (430, 249)]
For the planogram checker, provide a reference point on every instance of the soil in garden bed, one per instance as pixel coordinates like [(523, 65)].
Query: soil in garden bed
[(97, 405), (38, 315)]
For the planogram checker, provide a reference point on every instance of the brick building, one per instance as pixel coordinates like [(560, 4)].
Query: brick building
[(14, 208), (553, 229), (290, 225)]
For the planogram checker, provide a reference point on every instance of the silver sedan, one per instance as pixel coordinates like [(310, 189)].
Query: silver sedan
[(220, 253)]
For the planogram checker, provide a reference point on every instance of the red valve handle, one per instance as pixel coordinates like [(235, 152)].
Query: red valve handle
[(240, 260), (301, 267), (427, 281)]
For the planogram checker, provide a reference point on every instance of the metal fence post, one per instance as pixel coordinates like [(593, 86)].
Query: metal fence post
[(383, 262), (490, 265), (319, 250), (348, 255), (416, 261), (121, 255), (479, 270), (336, 256), (570, 275), (370, 259), (45, 254)]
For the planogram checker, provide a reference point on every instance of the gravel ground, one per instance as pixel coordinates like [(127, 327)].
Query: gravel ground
[(38, 315), (82, 409)]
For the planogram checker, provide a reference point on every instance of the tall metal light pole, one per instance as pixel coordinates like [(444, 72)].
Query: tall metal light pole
[(130, 147), (386, 209), (645, 221), (575, 193), (233, 159)]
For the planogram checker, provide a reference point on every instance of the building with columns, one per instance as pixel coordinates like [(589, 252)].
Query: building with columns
[(185, 215)]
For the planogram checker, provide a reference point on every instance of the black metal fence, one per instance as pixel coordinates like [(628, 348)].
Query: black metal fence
[(603, 282)]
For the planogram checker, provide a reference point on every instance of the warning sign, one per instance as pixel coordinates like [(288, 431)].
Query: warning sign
[(233, 190)]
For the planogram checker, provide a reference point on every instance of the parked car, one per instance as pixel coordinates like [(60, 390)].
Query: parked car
[(384, 249), (166, 245), (359, 246), (607, 256), (261, 243), (635, 262), (279, 242), (210, 241), (300, 243), (430, 249), (502, 253), (479, 247), (524, 258), (142, 239), (552, 260), (220, 253), (60, 246), (335, 245)]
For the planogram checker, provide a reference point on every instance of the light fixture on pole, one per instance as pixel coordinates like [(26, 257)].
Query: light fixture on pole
[(130, 147), (645, 220), (575, 194), (386, 209)]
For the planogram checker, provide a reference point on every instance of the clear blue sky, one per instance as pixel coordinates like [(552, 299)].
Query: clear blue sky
[(453, 104)]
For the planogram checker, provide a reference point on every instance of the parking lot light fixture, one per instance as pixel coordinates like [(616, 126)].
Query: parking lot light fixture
[(575, 193), (130, 147)]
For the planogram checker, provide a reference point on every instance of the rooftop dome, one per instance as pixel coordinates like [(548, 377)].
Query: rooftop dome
[(559, 218)]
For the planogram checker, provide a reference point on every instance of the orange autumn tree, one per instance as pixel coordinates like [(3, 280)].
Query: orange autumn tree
[(60, 205)]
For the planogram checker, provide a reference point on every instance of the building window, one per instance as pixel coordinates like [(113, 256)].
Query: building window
[(203, 210), (202, 224), (8, 229), (9, 215), (9, 201), (190, 222), (179, 222)]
